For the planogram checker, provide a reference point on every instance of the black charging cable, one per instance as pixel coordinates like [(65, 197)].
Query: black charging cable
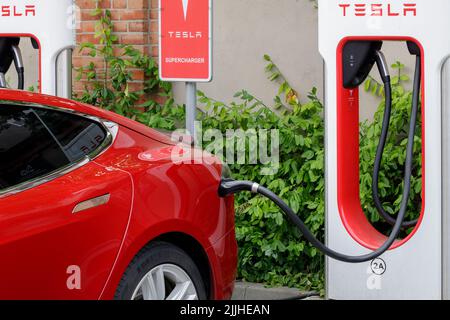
[(18, 63), (229, 187), (380, 151), (9, 52)]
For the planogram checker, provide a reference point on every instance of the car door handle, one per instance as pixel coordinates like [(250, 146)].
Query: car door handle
[(91, 203)]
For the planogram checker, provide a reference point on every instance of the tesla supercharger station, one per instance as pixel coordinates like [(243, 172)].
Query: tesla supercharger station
[(416, 267), (51, 23)]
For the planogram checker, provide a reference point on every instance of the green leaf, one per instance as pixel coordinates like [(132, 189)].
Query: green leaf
[(367, 85)]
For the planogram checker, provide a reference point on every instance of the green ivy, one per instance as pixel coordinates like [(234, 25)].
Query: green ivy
[(270, 249)]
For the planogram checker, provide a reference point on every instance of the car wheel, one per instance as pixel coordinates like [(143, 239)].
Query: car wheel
[(162, 271)]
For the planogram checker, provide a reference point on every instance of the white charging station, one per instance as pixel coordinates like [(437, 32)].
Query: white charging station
[(416, 267), (51, 23)]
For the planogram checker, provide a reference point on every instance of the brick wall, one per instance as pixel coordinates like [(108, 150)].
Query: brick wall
[(136, 23)]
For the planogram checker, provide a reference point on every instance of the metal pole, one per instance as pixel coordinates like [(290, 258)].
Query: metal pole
[(191, 109), (63, 75)]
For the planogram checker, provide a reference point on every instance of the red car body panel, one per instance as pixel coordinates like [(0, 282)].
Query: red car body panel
[(151, 196), (40, 237)]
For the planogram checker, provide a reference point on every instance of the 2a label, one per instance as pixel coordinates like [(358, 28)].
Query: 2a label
[(378, 266)]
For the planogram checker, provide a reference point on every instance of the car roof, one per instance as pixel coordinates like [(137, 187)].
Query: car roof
[(46, 100)]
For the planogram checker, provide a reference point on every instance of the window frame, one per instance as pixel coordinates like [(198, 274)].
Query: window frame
[(111, 129)]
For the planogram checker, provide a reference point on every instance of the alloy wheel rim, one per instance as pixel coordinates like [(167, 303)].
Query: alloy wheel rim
[(166, 282)]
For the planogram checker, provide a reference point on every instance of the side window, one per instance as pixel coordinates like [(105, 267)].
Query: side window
[(76, 135), (35, 142), (27, 149)]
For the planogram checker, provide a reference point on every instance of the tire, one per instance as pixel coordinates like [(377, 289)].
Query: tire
[(143, 278)]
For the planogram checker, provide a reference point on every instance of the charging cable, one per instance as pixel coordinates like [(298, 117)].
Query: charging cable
[(18, 63), (229, 186), (3, 82), (9, 52), (387, 114)]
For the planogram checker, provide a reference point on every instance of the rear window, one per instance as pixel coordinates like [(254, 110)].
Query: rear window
[(35, 142), (27, 150), (77, 136)]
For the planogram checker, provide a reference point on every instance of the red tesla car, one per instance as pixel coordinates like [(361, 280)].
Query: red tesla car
[(92, 206)]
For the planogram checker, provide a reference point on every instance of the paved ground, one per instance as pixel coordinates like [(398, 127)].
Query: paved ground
[(254, 291)]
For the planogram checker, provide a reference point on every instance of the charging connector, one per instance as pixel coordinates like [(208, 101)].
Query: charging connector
[(358, 59)]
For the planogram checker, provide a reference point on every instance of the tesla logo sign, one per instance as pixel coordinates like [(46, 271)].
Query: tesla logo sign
[(379, 10), (185, 8), (17, 11), (185, 40)]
